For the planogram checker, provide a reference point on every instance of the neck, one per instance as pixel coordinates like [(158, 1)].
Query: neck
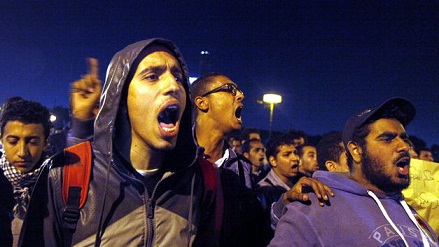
[(305, 172), (256, 169), (144, 158), (290, 181), (357, 175), (212, 140)]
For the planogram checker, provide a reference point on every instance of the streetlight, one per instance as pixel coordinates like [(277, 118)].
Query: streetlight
[(271, 99), (52, 118)]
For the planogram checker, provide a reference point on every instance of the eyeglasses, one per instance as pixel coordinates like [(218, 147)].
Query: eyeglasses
[(228, 87)]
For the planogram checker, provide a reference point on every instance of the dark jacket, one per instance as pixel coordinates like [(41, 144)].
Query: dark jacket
[(6, 205), (243, 221), (119, 208)]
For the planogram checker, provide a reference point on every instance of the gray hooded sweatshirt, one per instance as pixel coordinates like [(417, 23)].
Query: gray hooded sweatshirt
[(121, 210)]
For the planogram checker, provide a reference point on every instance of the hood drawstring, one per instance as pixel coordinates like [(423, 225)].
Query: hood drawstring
[(383, 210), (412, 217), (408, 212), (191, 229)]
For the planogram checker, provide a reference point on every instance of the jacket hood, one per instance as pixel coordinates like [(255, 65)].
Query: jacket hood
[(112, 130)]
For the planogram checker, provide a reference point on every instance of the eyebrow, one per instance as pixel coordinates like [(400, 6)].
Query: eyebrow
[(25, 138), (149, 69), (159, 69), (392, 134)]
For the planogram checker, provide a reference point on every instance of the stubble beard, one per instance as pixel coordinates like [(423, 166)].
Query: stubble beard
[(374, 172)]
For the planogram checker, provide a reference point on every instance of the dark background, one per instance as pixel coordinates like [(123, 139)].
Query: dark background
[(328, 59)]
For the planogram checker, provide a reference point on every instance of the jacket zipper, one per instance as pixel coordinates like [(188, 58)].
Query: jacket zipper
[(150, 207), (150, 224)]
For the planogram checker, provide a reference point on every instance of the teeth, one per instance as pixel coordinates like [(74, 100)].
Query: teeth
[(169, 130)]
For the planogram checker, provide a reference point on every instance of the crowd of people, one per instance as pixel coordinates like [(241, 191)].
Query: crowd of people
[(162, 162)]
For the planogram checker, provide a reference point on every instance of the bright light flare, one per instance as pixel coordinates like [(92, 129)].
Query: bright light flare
[(272, 98)]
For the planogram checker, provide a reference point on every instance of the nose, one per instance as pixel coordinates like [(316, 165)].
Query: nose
[(402, 145), (171, 83), (239, 95), (22, 149)]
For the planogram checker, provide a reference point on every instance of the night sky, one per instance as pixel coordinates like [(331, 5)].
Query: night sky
[(328, 60)]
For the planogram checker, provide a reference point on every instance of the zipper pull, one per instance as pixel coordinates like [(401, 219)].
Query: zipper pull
[(150, 208)]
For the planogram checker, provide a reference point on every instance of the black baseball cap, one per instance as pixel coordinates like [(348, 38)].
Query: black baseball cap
[(406, 113)]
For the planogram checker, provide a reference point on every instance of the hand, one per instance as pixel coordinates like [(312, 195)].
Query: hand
[(300, 190), (85, 93)]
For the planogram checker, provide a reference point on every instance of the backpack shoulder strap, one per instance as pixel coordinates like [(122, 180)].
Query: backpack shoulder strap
[(76, 179), (77, 171)]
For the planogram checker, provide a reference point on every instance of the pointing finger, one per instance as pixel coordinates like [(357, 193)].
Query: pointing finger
[(93, 66)]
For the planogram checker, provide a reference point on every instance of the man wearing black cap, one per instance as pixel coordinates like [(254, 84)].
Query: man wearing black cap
[(368, 209)]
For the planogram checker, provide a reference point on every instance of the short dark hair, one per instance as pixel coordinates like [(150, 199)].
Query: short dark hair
[(234, 135), (426, 149), (200, 86), (300, 148), (245, 133), (329, 147), (247, 145), (11, 100), (297, 134), (358, 137), (275, 142), (26, 111)]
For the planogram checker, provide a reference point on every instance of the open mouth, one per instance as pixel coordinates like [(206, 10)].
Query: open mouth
[(403, 165), (168, 118), (238, 112)]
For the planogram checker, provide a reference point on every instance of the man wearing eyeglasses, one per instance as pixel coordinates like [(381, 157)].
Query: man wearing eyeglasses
[(217, 112), (217, 103)]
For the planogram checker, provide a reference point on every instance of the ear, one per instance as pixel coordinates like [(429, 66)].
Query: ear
[(331, 165), (246, 155), (355, 151), (272, 161), (202, 103)]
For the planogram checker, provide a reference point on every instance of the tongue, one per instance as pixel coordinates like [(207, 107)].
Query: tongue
[(403, 170), (166, 125)]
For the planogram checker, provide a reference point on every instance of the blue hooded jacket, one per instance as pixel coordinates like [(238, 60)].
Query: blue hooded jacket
[(356, 217)]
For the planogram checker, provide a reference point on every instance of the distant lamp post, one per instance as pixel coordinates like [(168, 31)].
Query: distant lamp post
[(271, 100), (52, 118)]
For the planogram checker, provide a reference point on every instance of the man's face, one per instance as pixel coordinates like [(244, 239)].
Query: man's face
[(425, 155), (156, 101), (224, 107), (23, 144), (257, 153), (308, 161), (385, 157), (286, 162), (236, 145)]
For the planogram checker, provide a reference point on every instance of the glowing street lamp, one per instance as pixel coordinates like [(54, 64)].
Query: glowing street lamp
[(52, 118), (271, 99)]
